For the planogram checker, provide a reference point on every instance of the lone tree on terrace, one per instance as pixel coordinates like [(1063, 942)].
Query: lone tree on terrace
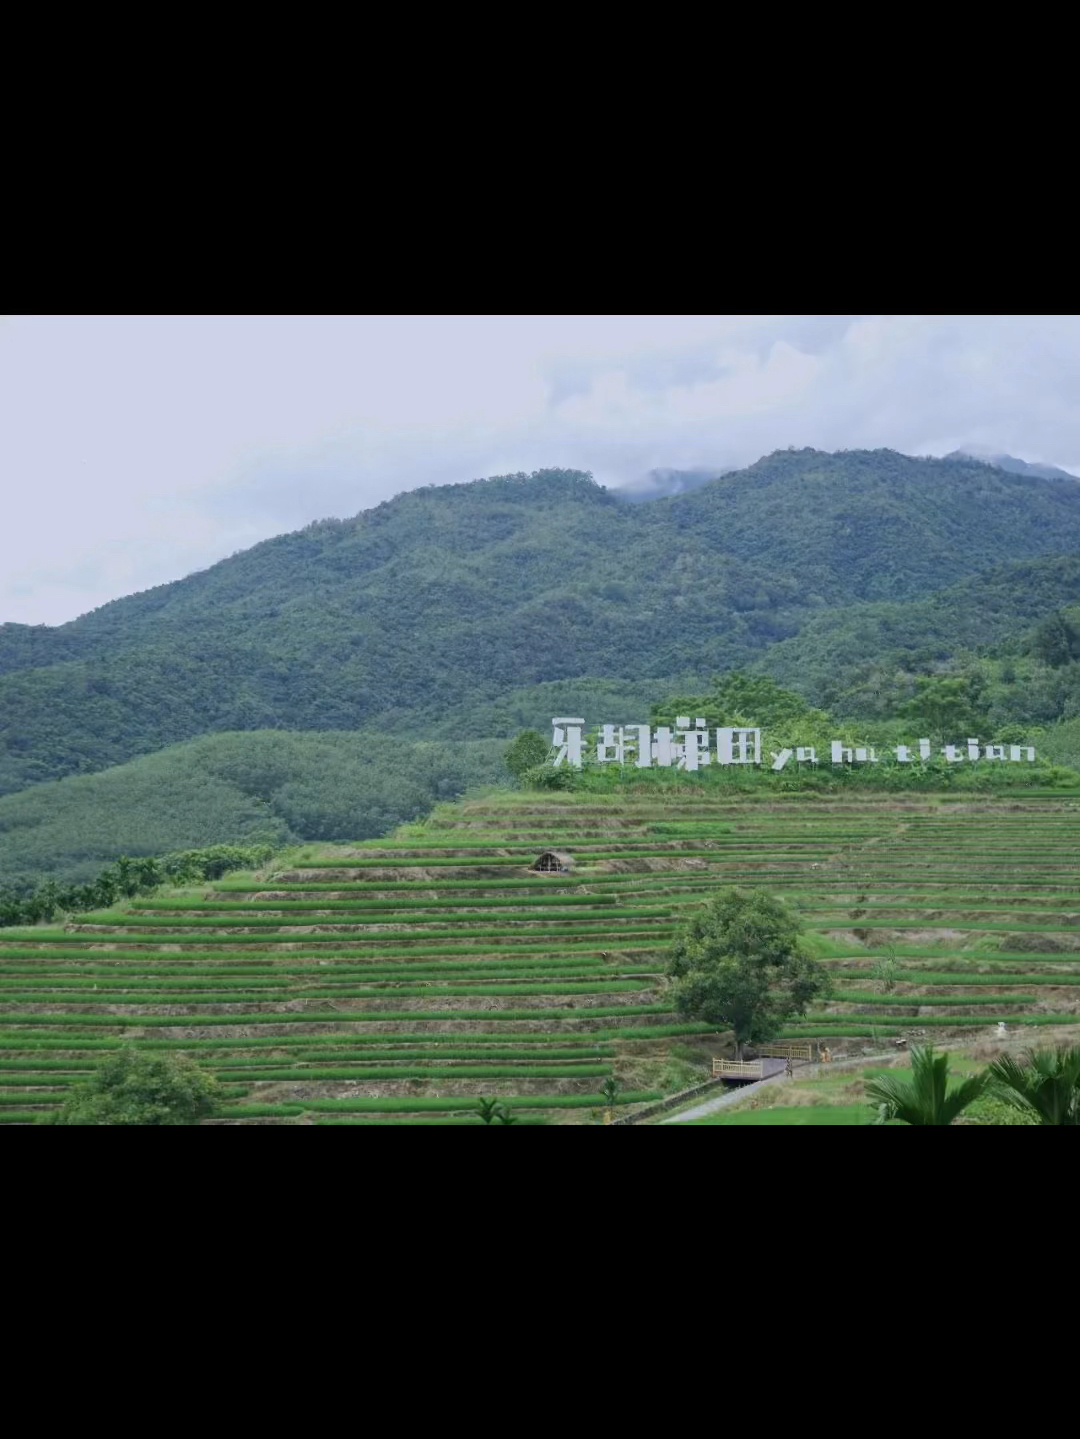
[(740, 963)]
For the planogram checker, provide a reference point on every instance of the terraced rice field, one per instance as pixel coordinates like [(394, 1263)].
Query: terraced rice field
[(396, 981)]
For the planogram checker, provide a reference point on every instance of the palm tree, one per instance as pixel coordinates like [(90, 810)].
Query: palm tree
[(1046, 1084), (925, 1098)]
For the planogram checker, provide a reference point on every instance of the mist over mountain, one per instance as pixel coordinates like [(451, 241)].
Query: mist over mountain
[(658, 484), (1012, 464), (663, 483)]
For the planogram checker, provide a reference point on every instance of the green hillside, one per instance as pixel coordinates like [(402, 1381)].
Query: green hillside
[(262, 785), (398, 980), (447, 600), (281, 787)]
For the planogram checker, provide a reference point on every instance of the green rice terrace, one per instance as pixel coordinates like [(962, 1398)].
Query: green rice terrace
[(398, 980)]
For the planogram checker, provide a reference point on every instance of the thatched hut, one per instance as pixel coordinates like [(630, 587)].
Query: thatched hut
[(553, 862)]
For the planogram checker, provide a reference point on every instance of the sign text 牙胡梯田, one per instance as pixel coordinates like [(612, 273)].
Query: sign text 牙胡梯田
[(692, 746)]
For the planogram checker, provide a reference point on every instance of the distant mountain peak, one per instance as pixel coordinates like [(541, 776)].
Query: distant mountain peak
[(1010, 462)]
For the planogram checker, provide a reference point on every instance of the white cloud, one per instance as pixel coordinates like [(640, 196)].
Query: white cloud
[(135, 449)]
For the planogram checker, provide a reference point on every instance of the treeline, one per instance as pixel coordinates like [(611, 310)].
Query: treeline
[(126, 879)]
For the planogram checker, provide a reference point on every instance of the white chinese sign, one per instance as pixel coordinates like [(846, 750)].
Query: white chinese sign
[(691, 746)]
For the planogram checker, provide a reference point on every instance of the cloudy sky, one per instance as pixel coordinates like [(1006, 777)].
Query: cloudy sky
[(134, 450)]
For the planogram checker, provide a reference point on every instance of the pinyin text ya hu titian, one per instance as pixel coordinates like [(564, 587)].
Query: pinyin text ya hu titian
[(690, 746)]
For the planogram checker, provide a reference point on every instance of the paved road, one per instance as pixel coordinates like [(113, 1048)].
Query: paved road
[(802, 1071), (722, 1101)]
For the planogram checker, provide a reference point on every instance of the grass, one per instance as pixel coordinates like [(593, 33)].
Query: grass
[(794, 1114), (960, 978), (30, 1042), (421, 1104), (380, 1016), (429, 991), (917, 1001), (356, 1073)]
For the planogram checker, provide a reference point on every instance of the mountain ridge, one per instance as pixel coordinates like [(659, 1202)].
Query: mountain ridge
[(520, 488)]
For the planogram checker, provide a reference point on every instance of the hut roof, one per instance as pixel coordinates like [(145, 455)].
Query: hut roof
[(560, 857)]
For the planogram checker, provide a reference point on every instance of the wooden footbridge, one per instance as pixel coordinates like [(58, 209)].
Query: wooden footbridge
[(772, 1059)]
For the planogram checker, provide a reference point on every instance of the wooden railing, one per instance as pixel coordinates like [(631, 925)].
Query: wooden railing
[(738, 1069), (755, 1068), (787, 1049)]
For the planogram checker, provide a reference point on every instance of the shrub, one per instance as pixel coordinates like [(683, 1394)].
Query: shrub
[(546, 776), (134, 1088), (525, 753)]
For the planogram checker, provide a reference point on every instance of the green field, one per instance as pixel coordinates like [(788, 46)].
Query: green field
[(395, 981)]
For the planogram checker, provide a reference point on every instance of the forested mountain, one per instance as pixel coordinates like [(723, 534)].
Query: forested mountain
[(873, 524), (453, 614), (439, 607)]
